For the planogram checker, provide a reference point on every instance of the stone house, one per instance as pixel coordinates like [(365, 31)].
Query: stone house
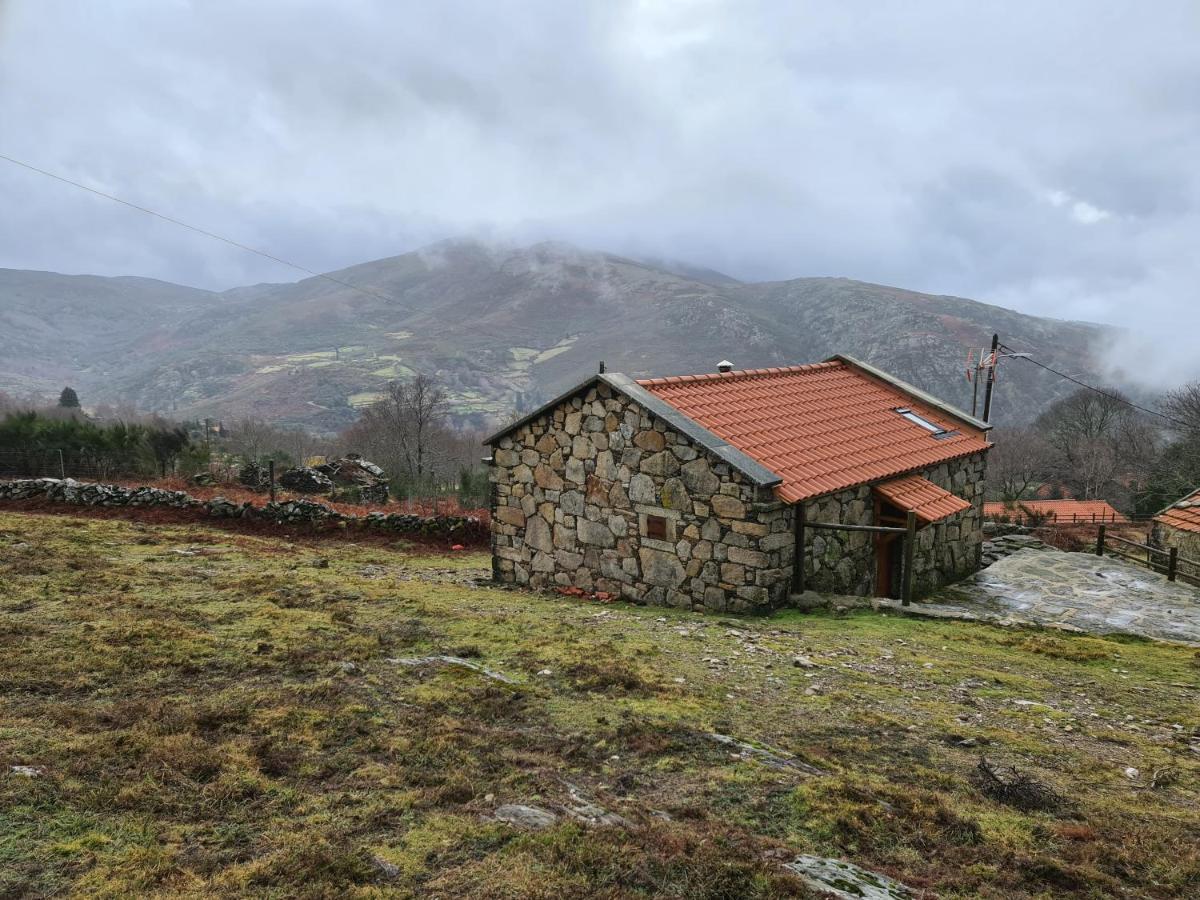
[(1178, 526), (684, 491)]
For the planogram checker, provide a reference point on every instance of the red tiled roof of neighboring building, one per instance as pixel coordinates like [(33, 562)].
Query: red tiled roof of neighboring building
[(1058, 510), (1184, 514), (823, 427), (930, 502)]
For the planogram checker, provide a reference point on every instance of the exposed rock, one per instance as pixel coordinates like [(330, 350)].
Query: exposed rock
[(772, 758), (532, 818), (846, 881), (415, 661)]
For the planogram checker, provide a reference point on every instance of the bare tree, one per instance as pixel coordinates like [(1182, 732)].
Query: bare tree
[(411, 421), (1101, 444), (251, 439), (254, 439), (1183, 405), (1020, 460), (1176, 469)]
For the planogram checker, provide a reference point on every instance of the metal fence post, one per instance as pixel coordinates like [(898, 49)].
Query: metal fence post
[(1100, 541), (1172, 563), (910, 540), (271, 472)]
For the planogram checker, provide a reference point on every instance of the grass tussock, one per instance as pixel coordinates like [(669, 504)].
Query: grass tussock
[(228, 723)]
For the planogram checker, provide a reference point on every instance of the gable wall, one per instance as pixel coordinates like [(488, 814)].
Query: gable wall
[(572, 490)]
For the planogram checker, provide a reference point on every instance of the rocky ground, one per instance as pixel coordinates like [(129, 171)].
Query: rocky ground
[(1080, 591), (194, 712)]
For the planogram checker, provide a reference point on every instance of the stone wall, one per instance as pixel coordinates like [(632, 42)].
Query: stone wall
[(844, 562), (950, 550), (840, 562), (573, 491), (1164, 537), (307, 513)]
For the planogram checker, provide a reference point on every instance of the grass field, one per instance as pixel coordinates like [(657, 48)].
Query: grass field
[(214, 714)]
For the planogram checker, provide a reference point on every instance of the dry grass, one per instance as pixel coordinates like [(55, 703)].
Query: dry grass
[(224, 721)]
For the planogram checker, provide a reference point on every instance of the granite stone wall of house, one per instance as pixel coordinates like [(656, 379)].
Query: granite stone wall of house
[(599, 494), (952, 549), (844, 562), (1164, 537)]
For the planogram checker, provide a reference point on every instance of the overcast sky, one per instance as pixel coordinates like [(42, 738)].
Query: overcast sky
[(1043, 155)]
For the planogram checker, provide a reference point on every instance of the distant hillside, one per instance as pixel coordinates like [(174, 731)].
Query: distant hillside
[(504, 327)]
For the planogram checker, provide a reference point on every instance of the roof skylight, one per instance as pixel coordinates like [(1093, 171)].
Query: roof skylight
[(918, 420)]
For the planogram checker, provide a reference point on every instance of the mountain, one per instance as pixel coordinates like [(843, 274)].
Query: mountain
[(504, 327)]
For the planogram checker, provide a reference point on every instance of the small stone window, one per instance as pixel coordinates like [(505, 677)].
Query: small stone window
[(656, 528)]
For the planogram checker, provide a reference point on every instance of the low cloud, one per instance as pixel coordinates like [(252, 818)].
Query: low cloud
[(1038, 156)]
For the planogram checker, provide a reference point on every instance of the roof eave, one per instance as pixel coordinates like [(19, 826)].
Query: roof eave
[(755, 471), (913, 391), (1195, 492)]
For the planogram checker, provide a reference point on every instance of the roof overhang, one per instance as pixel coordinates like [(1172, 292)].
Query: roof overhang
[(919, 495), (755, 471), (912, 391)]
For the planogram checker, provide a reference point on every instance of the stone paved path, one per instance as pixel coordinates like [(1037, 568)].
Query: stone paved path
[(1074, 590)]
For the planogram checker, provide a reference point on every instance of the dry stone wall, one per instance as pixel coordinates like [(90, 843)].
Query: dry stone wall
[(300, 512), (575, 493), (844, 562)]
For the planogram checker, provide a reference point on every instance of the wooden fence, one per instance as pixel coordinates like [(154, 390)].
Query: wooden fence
[(1165, 562), (1053, 518)]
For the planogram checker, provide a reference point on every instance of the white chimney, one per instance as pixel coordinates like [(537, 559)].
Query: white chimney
[(724, 366)]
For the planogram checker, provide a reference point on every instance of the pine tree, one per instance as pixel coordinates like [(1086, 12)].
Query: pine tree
[(68, 398)]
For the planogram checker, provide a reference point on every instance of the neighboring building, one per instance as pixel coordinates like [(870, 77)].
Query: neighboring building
[(683, 491), (1179, 526), (1060, 512)]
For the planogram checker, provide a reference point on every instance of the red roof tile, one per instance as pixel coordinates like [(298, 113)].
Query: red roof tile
[(930, 502), (1184, 515), (821, 428), (1058, 510)]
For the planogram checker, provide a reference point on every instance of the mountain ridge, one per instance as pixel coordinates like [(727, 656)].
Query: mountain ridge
[(504, 326)]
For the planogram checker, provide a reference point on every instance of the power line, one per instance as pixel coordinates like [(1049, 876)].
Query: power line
[(1097, 390), (198, 230)]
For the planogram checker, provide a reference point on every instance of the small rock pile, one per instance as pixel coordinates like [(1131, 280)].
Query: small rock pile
[(306, 480), (254, 476), (355, 477), (309, 513)]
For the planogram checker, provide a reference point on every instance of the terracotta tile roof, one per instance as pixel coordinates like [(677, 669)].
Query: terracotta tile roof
[(1058, 510), (930, 502), (823, 427), (1184, 515)]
